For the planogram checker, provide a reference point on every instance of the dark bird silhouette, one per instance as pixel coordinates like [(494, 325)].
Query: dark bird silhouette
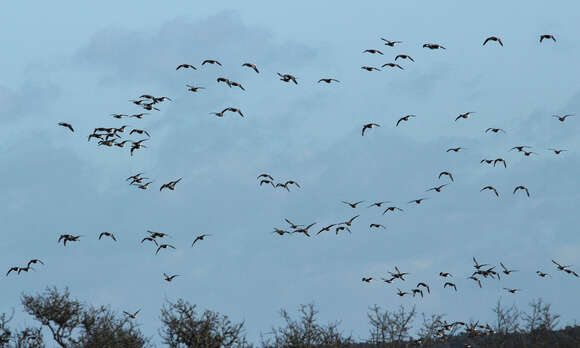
[(154, 234), (474, 278), (507, 271), (218, 114), (556, 151), (185, 66), (34, 261), (237, 84), (478, 266), (304, 229), (542, 274), (390, 43), (547, 36), (12, 269), (265, 175), (170, 185), (192, 88), (491, 188), (211, 61), (404, 118), (170, 278), (140, 131), (328, 80), (377, 226), (287, 78), (417, 291), (562, 118), (433, 46), (252, 66), (352, 205), (520, 148), (501, 160), (398, 274), (139, 116), (392, 65), (107, 234), (512, 291), (370, 68), (66, 125), (325, 229), (132, 315), (522, 188), (493, 38), (404, 56), (437, 188), (455, 149), (149, 239), (342, 228), (367, 280), (349, 222), (266, 181), (445, 274), (560, 267), (446, 173), (464, 115), (378, 204), (373, 51), (226, 81), (417, 201), (450, 285), (369, 126), (119, 116), (164, 246), (495, 130), (235, 110), (393, 209), (425, 286), (292, 225), (200, 237), (401, 293), (24, 269)]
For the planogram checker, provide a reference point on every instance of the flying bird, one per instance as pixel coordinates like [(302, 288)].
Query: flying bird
[(433, 46), (507, 271), (450, 285), (495, 130), (501, 160), (252, 66), (491, 188), (170, 278), (200, 237), (404, 56), (556, 151), (437, 188), (378, 204), (425, 286), (392, 65), (235, 110), (192, 88), (369, 126), (404, 118), (446, 173), (493, 38), (562, 118), (370, 68), (185, 66), (377, 226), (520, 148), (393, 209), (464, 115), (455, 149), (211, 61), (107, 234), (149, 239), (164, 246), (34, 261), (547, 36), (287, 78), (417, 201), (390, 43), (367, 280), (328, 80), (132, 315), (522, 188), (140, 131), (66, 125), (512, 291), (349, 222)]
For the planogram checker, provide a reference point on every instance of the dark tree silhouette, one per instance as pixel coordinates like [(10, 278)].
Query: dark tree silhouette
[(183, 327), (390, 327)]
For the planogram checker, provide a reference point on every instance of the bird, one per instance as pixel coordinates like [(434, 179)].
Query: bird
[(455, 149), (352, 205), (493, 38), (139, 116), (349, 222), (433, 46), (425, 286), (373, 51), (24, 269), (226, 81), (495, 130), (280, 232), (287, 78), (437, 188), (507, 271), (107, 234), (185, 66), (140, 131), (404, 56), (417, 201), (192, 88), (569, 271), (488, 161), (512, 291), (563, 118), (14, 268), (232, 109), (325, 229), (389, 281), (149, 239), (401, 293), (132, 315), (398, 274), (475, 279), (34, 261), (237, 84), (342, 228), (327, 80), (145, 185), (547, 36), (377, 226), (528, 153), (501, 160), (304, 229), (370, 68), (393, 209), (378, 204), (560, 267), (542, 274), (218, 114), (392, 65), (367, 280), (170, 185), (170, 278), (446, 173), (491, 188), (200, 237), (404, 118), (291, 182), (265, 181), (390, 43), (118, 116), (211, 61), (478, 265), (522, 188), (369, 126), (252, 66), (417, 291), (464, 115), (265, 175), (520, 148), (445, 274), (556, 151), (67, 125), (451, 285), (292, 225), (164, 246)]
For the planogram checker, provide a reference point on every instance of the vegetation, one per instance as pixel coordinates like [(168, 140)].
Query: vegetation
[(66, 322)]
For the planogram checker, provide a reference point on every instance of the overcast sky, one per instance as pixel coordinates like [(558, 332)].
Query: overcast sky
[(80, 62)]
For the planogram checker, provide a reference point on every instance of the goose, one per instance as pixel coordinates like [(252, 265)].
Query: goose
[(507, 271), (556, 151), (170, 278), (327, 80), (304, 229), (185, 66), (417, 201), (401, 293), (252, 66), (491, 188), (265, 181), (437, 188), (445, 274), (477, 265), (404, 118), (378, 204), (560, 267), (417, 291), (107, 234), (433, 46), (562, 118), (149, 239), (66, 125), (352, 205), (369, 126), (149, 107), (512, 291), (325, 229), (464, 115), (292, 225), (390, 43), (455, 149), (474, 278), (132, 315), (398, 274), (291, 182), (501, 160), (389, 281), (370, 68), (393, 209), (157, 234), (349, 222), (373, 51), (200, 237), (34, 261), (232, 109), (392, 65), (118, 116), (211, 61), (192, 88), (145, 185), (367, 280), (495, 130), (139, 131), (164, 246), (287, 78), (265, 175), (520, 148), (446, 173), (493, 38), (11, 269), (522, 188), (226, 81), (547, 36), (342, 228), (404, 56), (139, 116), (542, 274), (450, 285), (377, 226), (425, 286), (24, 269)]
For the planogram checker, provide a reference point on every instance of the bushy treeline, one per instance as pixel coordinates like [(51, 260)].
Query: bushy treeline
[(63, 321)]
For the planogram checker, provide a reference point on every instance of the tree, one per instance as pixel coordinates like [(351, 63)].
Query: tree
[(540, 318), (390, 327), (182, 327), (72, 324), (305, 331), (507, 319)]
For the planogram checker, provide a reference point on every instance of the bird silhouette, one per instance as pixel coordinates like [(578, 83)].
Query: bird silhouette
[(66, 125), (493, 38), (107, 234), (369, 126), (252, 66), (200, 237)]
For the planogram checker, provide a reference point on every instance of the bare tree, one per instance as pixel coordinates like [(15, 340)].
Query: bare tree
[(507, 319), (430, 332), (390, 327), (305, 331), (183, 327), (540, 318)]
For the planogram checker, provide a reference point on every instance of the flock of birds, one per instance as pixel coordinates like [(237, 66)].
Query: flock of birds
[(115, 137)]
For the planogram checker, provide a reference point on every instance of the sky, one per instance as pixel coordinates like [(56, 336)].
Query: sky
[(79, 62)]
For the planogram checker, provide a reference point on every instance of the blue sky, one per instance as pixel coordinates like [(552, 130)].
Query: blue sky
[(81, 62)]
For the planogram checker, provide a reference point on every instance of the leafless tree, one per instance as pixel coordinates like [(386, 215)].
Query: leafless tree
[(390, 327), (540, 317), (507, 319), (183, 327), (305, 331)]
